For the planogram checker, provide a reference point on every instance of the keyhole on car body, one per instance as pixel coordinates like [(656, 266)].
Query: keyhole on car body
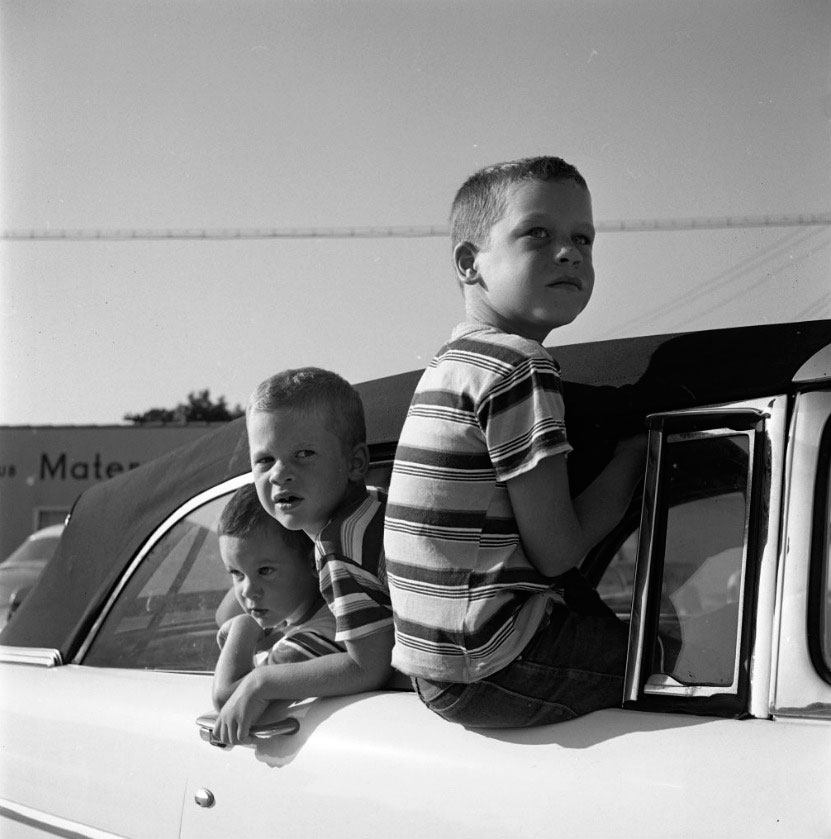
[(204, 798)]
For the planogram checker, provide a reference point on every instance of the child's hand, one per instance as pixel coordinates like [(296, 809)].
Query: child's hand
[(240, 712)]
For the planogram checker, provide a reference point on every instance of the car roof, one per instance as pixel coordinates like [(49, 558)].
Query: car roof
[(48, 532), (609, 386), (23, 552)]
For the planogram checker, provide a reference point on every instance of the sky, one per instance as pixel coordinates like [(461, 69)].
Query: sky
[(182, 116)]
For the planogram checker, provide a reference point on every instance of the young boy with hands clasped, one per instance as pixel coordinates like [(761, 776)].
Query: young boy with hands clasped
[(307, 441), (482, 534), (284, 617)]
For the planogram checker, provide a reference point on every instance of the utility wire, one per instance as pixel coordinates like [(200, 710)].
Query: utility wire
[(411, 232)]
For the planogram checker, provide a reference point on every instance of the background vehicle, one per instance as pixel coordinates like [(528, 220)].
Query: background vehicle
[(21, 569), (729, 552)]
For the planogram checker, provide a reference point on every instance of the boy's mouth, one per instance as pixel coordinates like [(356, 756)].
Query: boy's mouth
[(286, 500), (566, 281)]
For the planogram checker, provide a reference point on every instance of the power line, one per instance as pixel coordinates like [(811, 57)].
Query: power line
[(402, 232)]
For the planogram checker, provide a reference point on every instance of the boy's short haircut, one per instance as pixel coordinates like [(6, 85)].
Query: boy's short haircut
[(244, 515), (323, 392), (481, 199)]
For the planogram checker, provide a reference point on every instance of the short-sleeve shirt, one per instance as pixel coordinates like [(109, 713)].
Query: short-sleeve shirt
[(312, 635), (465, 596), (349, 554)]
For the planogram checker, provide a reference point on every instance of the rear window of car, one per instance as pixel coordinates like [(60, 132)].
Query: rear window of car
[(164, 618)]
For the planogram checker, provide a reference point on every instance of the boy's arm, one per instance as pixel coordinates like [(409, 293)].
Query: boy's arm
[(556, 530), (364, 666), (236, 659)]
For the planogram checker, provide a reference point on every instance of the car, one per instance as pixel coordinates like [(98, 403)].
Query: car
[(21, 569), (107, 663)]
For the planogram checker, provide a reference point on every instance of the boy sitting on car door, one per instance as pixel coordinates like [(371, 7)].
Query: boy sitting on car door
[(492, 619), (307, 441)]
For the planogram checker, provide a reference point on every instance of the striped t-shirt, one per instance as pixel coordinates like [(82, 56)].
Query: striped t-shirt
[(466, 598), (349, 553)]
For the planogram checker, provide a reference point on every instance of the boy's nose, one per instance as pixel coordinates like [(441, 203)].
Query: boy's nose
[(279, 473), (250, 590), (568, 253)]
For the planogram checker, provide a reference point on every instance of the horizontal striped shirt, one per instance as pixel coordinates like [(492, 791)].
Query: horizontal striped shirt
[(465, 596), (349, 553)]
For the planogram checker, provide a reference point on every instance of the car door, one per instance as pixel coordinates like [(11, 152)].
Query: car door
[(100, 746)]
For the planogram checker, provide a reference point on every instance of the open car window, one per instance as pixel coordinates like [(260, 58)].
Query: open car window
[(164, 617), (691, 618), (705, 532)]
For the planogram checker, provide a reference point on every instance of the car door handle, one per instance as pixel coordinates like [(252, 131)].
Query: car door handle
[(206, 723)]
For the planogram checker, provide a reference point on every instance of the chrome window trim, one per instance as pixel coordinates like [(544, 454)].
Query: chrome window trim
[(772, 413), (37, 656), (643, 566), (762, 654), (670, 686), (188, 507)]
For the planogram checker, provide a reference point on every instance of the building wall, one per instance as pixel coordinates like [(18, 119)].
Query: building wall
[(43, 469)]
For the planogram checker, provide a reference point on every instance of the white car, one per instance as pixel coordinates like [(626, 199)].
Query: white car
[(22, 567), (107, 664)]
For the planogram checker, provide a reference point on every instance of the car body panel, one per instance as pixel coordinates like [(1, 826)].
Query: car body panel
[(798, 688), (114, 743)]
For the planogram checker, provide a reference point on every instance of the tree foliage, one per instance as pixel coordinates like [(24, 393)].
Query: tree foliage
[(198, 408)]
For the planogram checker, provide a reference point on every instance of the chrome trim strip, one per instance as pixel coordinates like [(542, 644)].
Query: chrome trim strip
[(763, 649), (665, 685), (643, 566), (188, 507), (53, 825), (38, 656)]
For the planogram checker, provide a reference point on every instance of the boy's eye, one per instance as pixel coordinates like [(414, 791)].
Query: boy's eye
[(235, 575), (305, 453), (538, 233), (266, 571), (582, 239)]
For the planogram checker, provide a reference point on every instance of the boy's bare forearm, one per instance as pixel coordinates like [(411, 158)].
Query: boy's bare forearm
[(331, 675), (557, 531), (236, 659), (605, 501)]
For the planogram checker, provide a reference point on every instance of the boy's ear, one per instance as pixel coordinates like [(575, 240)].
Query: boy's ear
[(359, 462), (464, 261)]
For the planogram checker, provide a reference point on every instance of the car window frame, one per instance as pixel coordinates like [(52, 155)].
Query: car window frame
[(181, 512), (743, 418), (379, 467)]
